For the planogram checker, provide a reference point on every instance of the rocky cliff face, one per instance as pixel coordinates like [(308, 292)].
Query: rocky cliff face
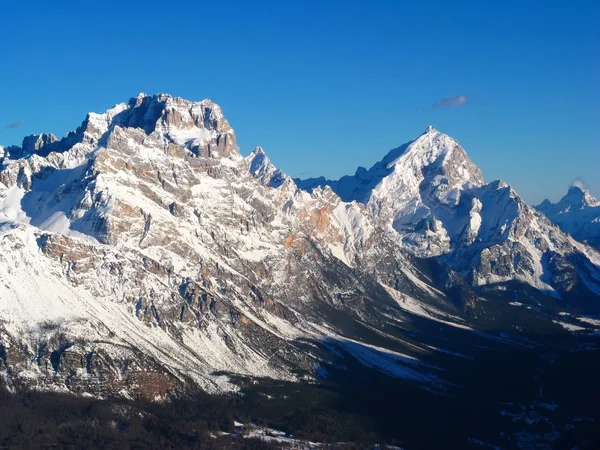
[(142, 254)]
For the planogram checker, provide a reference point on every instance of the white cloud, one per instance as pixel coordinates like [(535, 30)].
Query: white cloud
[(451, 102)]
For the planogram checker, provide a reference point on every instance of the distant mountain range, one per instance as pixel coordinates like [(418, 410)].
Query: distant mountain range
[(577, 213)]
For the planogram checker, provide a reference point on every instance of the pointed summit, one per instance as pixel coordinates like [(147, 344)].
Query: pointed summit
[(261, 168), (577, 213), (580, 197), (437, 152), (577, 198), (402, 171)]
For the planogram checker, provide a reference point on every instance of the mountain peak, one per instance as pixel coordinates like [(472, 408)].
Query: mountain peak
[(36, 142), (576, 198), (577, 213), (579, 197), (434, 148), (198, 126), (577, 189), (404, 168), (262, 169)]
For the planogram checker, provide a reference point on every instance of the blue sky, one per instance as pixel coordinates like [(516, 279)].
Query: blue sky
[(326, 86)]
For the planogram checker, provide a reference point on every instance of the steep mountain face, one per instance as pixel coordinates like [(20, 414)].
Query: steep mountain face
[(142, 255), (577, 213), (431, 196)]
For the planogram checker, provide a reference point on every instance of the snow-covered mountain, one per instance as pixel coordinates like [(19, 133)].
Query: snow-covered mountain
[(142, 254), (577, 213), (145, 241), (431, 196)]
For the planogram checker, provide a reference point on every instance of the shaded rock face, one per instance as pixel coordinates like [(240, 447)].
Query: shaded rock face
[(35, 143), (264, 171), (142, 255)]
